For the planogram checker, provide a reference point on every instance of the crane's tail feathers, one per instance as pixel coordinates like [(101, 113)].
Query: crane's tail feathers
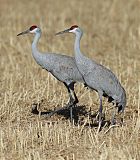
[(110, 99), (122, 103), (121, 107)]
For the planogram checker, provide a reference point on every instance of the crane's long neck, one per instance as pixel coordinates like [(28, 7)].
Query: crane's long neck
[(79, 56), (78, 53), (36, 54)]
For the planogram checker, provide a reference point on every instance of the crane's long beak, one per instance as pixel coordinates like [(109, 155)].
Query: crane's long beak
[(65, 31), (24, 32)]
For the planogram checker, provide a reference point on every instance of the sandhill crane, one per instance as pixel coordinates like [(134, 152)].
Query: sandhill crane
[(97, 77), (62, 67)]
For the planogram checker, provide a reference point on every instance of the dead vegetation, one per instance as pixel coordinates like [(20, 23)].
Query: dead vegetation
[(111, 37)]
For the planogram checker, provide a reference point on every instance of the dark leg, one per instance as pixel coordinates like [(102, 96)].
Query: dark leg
[(71, 112), (73, 98), (72, 101), (113, 119), (76, 99)]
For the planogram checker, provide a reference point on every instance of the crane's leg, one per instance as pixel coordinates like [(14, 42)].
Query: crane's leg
[(113, 121), (73, 99), (100, 111), (76, 99)]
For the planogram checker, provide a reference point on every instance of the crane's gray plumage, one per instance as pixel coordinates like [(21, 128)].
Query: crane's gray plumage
[(97, 77), (61, 67)]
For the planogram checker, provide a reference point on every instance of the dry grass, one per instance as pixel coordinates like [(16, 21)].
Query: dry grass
[(112, 37)]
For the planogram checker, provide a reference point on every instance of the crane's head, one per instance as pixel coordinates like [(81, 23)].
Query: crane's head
[(73, 29), (32, 29)]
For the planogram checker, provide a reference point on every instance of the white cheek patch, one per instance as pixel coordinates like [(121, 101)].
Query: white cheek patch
[(73, 31), (33, 31)]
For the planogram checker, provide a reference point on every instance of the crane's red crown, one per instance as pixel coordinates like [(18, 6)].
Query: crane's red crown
[(33, 27), (74, 26)]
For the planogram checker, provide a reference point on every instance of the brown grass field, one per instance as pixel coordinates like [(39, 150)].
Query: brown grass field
[(111, 37)]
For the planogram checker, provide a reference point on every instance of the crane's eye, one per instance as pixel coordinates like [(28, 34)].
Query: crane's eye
[(74, 26), (33, 27)]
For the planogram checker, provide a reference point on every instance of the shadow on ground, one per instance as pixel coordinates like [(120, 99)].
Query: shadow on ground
[(79, 112)]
